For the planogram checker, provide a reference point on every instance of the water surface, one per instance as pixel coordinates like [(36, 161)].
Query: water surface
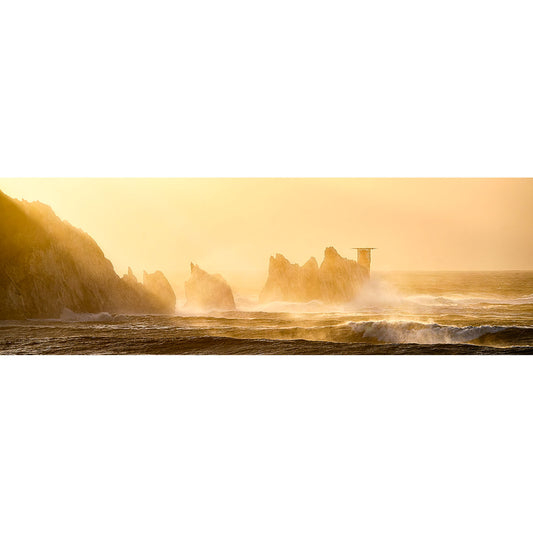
[(415, 313)]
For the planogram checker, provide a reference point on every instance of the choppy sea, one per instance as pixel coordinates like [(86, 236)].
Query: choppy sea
[(396, 313)]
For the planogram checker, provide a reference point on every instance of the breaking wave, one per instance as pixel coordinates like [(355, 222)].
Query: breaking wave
[(70, 316), (401, 332)]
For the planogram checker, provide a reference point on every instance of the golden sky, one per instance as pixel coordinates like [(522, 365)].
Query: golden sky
[(233, 225)]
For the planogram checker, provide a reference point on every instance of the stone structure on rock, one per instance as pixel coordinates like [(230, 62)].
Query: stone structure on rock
[(337, 280), (208, 291), (47, 265), (364, 256)]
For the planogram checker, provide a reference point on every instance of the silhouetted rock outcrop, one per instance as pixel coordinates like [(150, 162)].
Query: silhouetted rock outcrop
[(130, 278), (47, 265), (291, 282), (157, 285), (337, 280), (208, 291), (340, 278)]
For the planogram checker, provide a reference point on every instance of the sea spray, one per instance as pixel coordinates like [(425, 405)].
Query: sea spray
[(402, 332)]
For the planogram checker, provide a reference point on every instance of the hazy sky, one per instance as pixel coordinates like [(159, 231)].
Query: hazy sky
[(232, 225)]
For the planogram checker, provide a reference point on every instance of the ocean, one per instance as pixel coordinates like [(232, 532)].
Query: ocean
[(396, 313)]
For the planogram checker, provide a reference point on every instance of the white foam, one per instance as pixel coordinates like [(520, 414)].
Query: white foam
[(390, 331), (70, 316)]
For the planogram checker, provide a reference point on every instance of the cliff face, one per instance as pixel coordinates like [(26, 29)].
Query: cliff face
[(337, 280), (47, 265), (208, 291)]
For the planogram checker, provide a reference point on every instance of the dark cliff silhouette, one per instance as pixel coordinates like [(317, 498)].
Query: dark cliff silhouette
[(47, 265)]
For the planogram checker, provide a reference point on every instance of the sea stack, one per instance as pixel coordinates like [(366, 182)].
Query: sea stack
[(340, 278), (47, 265), (337, 280), (289, 282), (159, 287), (208, 292)]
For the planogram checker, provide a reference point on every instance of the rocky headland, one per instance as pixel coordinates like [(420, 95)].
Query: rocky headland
[(47, 265), (337, 280)]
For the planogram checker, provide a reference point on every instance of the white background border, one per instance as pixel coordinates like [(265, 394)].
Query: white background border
[(266, 444), (278, 88)]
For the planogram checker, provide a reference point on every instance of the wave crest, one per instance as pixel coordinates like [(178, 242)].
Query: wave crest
[(68, 315), (402, 332)]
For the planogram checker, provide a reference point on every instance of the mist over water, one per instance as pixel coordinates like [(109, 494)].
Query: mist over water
[(184, 233), (417, 312)]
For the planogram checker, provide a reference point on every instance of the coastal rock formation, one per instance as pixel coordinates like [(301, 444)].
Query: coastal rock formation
[(159, 287), (208, 291), (156, 286), (340, 278), (130, 278), (337, 280), (290, 282), (47, 266)]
